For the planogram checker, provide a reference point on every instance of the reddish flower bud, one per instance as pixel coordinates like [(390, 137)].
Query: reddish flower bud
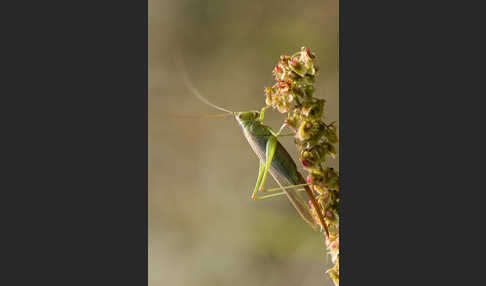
[(306, 163), (309, 179), (309, 54)]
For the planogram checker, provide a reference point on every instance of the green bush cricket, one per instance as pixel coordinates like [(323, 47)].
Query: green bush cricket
[(274, 158)]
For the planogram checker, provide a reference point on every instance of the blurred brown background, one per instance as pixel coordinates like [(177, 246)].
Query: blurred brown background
[(203, 227)]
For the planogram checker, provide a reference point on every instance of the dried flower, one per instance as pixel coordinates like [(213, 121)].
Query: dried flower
[(293, 93)]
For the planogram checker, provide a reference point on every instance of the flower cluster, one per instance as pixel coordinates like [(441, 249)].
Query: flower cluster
[(294, 94), (295, 75)]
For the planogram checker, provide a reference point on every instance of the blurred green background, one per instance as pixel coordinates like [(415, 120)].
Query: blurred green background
[(203, 227)]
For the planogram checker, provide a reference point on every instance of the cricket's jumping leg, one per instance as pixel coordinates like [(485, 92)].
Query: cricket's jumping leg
[(283, 188), (260, 173), (292, 188), (270, 151), (276, 195)]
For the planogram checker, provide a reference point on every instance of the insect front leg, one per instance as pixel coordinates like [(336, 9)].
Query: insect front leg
[(262, 113), (278, 134)]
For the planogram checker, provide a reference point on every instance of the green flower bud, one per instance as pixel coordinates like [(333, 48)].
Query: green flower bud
[(307, 156), (283, 107), (331, 135), (293, 75), (303, 132), (292, 121), (309, 90), (313, 110), (307, 52), (331, 149), (331, 216), (330, 178)]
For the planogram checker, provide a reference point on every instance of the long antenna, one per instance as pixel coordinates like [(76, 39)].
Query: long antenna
[(203, 115), (191, 87)]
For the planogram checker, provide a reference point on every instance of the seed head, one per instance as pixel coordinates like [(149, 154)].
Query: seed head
[(294, 94)]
